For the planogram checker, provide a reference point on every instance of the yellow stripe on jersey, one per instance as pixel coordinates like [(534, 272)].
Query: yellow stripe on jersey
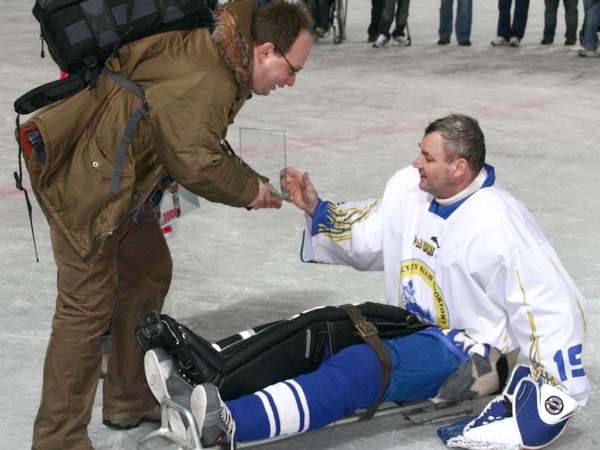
[(576, 299), (340, 221), (537, 371)]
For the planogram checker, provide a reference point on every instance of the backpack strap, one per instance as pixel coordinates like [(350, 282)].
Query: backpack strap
[(19, 185), (368, 332), (129, 128)]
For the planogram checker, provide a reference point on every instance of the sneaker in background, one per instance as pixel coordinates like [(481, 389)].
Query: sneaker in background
[(381, 41), (514, 41), (499, 41), (401, 41), (583, 52)]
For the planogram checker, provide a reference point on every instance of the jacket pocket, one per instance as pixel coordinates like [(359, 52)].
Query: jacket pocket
[(34, 151)]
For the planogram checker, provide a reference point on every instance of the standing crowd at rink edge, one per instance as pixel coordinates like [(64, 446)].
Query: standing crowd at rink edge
[(459, 253)]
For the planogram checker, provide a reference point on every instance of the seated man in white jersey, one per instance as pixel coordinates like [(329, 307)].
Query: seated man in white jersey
[(468, 259)]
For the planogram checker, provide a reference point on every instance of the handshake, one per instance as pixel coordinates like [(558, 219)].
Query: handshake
[(296, 188)]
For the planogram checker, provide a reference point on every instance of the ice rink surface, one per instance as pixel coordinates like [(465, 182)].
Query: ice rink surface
[(354, 117)]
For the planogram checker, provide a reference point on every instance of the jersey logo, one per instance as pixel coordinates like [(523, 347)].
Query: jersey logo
[(427, 247), (421, 295)]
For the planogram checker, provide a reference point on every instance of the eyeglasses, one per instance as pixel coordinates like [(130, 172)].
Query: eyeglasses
[(292, 68)]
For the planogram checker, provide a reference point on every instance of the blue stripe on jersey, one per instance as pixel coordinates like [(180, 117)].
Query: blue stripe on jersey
[(298, 404), (446, 211), (320, 216)]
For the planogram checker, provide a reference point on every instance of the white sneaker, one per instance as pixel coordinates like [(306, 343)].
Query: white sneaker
[(381, 41), (583, 52), (514, 41), (499, 41), (401, 41)]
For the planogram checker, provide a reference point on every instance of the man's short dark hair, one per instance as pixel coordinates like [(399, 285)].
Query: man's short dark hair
[(462, 138), (280, 23)]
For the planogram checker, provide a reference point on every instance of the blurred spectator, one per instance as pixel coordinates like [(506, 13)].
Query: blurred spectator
[(319, 10), (589, 39), (387, 17), (464, 17), (511, 33), (550, 21), (376, 8)]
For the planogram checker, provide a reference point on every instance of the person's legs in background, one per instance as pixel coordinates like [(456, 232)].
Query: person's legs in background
[(399, 36), (376, 10), (550, 12), (503, 30), (589, 41), (519, 22), (387, 17), (446, 16), (571, 21), (464, 19)]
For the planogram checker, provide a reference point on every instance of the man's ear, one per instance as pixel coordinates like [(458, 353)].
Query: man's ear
[(462, 167), (263, 50)]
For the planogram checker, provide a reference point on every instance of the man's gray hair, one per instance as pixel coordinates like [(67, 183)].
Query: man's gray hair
[(462, 138)]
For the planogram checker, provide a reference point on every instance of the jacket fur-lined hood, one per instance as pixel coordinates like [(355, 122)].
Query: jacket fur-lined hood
[(233, 36)]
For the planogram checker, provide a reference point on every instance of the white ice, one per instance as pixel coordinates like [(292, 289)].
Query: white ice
[(355, 115)]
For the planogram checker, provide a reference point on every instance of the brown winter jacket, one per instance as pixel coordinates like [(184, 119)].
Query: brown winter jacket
[(194, 84)]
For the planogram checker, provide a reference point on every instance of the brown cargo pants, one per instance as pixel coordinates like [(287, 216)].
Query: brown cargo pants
[(123, 277)]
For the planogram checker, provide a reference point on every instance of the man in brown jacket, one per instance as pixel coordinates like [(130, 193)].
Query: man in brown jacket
[(111, 267)]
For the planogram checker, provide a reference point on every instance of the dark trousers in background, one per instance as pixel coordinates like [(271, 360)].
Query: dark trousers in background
[(123, 277), (389, 13), (376, 9), (516, 28), (319, 10), (571, 18)]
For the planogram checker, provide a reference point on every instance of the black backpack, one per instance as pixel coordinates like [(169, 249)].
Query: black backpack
[(82, 34)]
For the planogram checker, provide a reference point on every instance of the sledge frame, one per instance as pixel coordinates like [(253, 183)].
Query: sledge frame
[(418, 412)]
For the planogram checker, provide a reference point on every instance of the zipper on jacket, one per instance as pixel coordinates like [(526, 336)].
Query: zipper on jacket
[(103, 236), (42, 53)]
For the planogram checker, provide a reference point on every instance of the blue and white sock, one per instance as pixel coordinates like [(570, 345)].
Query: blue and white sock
[(349, 380)]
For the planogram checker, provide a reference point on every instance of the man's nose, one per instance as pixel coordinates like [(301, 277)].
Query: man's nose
[(291, 80)]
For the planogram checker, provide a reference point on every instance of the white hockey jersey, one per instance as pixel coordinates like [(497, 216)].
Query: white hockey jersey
[(481, 266)]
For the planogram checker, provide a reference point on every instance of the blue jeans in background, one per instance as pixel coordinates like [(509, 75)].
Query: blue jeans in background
[(589, 41), (519, 20), (464, 18)]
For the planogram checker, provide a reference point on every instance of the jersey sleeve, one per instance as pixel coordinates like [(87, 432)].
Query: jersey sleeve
[(546, 312), (346, 233)]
